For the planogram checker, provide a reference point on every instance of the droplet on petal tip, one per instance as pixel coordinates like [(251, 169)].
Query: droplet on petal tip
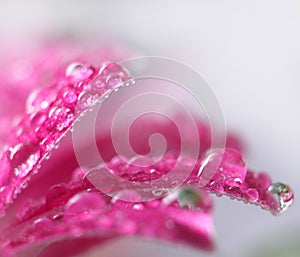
[(284, 194)]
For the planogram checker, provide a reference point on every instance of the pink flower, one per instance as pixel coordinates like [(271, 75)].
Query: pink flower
[(45, 204)]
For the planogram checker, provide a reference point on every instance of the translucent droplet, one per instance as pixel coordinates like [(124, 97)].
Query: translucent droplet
[(23, 158), (69, 97), (284, 193), (113, 69), (60, 118), (226, 166), (87, 99), (189, 197), (252, 194), (56, 196), (77, 72)]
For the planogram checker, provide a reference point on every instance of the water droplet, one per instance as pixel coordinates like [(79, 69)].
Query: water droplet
[(189, 197), (113, 69), (284, 193), (227, 167), (56, 196), (77, 72), (60, 118), (69, 97), (101, 178), (86, 99), (23, 158), (252, 194)]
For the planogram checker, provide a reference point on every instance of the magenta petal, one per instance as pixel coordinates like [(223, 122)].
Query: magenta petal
[(76, 209)]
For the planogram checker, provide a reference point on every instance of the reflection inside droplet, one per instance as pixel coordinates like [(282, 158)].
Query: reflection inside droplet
[(284, 193)]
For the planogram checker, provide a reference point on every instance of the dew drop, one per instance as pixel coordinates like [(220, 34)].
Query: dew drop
[(56, 196), (252, 194), (86, 99), (226, 166), (77, 72), (284, 193), (69, 97), (60, 118), (189, 197)]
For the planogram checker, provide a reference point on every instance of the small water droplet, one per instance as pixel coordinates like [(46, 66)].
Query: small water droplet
[(69, 97), (77, 72), (56, 196), (60, 118), (252, 194), (86, 99), (189, 197), (284, 193)]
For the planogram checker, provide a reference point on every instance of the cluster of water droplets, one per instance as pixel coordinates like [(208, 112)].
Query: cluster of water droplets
[(51, 112)]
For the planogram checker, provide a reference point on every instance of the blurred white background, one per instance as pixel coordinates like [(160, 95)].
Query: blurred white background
[(248, 51)]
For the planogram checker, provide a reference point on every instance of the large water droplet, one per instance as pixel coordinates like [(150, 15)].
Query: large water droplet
[(284, 193), (227, 167), (77, 72)]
